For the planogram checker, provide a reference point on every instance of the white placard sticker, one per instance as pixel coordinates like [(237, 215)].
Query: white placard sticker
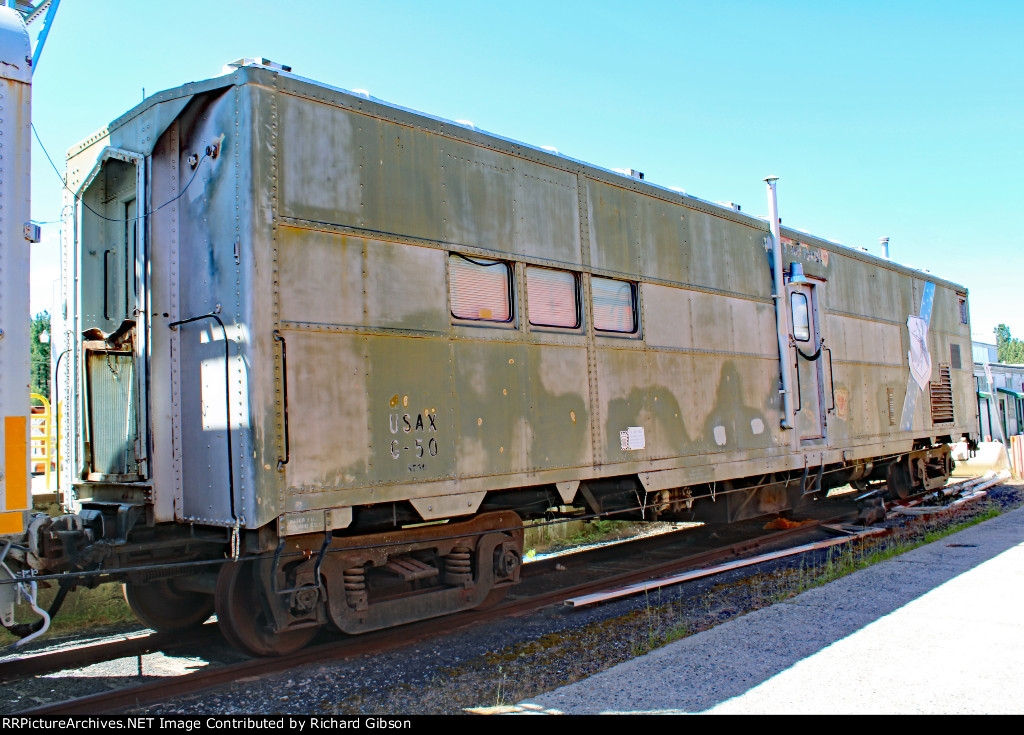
[(632, 439)]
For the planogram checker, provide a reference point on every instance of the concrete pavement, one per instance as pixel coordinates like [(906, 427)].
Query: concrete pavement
[(939, 629)]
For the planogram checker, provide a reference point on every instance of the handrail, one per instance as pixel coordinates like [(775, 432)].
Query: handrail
[(44, 440), (284, 382), (831, 377)]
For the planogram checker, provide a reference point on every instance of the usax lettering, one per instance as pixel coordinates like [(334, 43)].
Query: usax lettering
[(418, 447), (404, 422)]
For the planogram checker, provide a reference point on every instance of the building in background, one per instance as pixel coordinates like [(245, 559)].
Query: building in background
[(1000, 390)]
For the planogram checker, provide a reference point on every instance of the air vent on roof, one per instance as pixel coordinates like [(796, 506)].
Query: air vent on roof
[(254, 61), (630, 172), (731, 205)]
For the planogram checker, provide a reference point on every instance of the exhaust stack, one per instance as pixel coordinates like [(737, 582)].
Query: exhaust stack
[(781, 312)]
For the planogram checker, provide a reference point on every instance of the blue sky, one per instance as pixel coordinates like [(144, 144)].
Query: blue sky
[(903, 119)]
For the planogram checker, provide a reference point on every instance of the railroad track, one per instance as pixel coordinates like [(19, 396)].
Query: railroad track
[(544, 585)]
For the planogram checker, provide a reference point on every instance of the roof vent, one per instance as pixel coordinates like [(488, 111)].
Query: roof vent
[(549, 149), (730, 205), (630, 172), (466, 123), (361, 93), (254, 61)]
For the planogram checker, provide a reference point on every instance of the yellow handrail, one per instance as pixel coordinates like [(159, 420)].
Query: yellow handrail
[(41, 437)]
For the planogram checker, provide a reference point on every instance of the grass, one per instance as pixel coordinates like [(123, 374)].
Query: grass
[(840, 561), (83, 610), (548, 538)]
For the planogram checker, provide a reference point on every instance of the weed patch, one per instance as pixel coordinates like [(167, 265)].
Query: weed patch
[(83, 610)]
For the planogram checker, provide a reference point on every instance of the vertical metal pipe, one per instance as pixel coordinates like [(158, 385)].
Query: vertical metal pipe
[(885, 247), (781, 313)]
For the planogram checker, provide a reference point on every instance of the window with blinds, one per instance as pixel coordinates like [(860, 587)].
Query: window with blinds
[(614, 305), (551, 297), (480, 289)]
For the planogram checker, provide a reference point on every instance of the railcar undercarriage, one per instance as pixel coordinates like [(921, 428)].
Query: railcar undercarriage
[(276, 604), (275, 597)]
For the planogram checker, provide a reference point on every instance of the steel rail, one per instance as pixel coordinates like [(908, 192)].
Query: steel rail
[(386, 640), (394, 638), (99, 651)]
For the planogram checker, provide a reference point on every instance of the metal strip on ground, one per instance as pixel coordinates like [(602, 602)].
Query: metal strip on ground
[(634, 589)]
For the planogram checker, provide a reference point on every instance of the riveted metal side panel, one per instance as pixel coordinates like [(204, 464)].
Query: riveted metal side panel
[(615, 228), (546, 217), (216, 450), (410, 417), (321, 278), (951, 345), (728, 256), (493, 422), (559, 407), (165, 377), (476, 192), (327, 406), (266, 387)]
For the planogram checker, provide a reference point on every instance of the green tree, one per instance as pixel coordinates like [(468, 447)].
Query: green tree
[(1010, 350), (40, 355)]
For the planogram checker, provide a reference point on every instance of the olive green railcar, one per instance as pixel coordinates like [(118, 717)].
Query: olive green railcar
[(340, 318), (515, 405)]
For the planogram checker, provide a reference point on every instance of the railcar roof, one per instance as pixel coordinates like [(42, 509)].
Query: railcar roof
[(262, 75)]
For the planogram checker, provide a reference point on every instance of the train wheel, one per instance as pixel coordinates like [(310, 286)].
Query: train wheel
[(898, 481), (167, 609), (495, 596), (243, 618)]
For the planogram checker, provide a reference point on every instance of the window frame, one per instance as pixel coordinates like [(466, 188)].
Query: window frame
[(634, 288), (807, 315), (577, 301), (510, 292)]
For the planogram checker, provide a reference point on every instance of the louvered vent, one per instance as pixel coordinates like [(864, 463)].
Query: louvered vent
[(954, 356), (942, 397), (891, 399)]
